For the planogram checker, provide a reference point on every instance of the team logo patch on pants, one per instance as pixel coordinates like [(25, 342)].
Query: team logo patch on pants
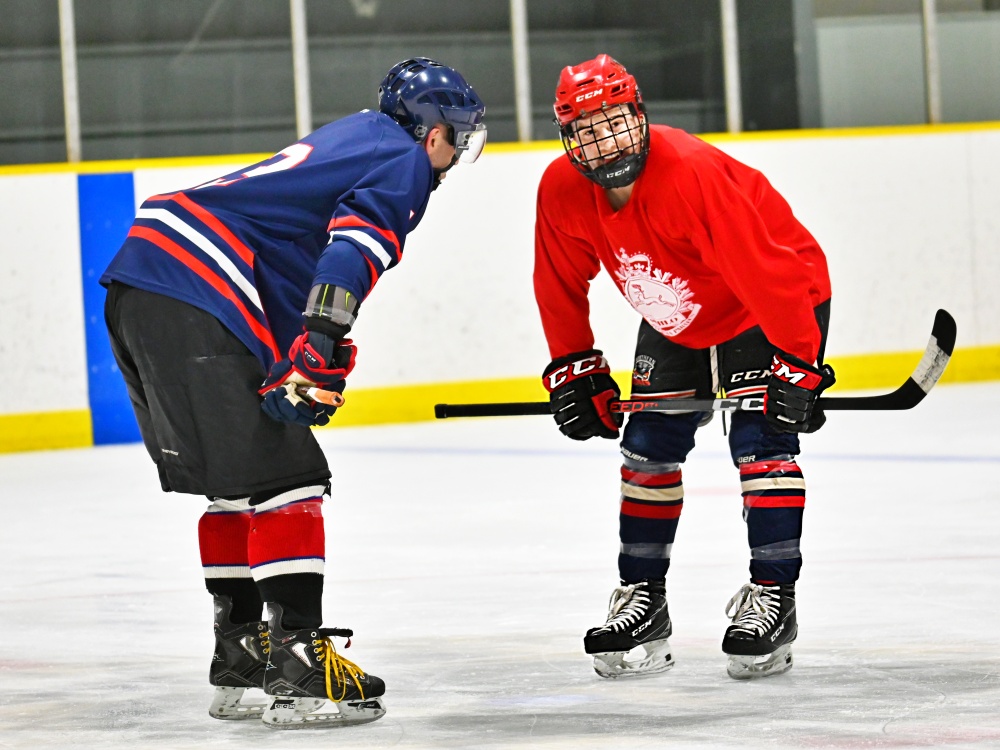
[(643, 370)]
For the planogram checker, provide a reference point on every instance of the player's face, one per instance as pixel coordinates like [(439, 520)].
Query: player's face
[(608, 135)]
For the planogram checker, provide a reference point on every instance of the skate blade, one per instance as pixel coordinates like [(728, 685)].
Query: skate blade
[(647, 658), (751, 667), (316, 713), (228, 705)]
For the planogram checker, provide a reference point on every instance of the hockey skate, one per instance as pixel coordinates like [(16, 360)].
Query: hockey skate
[(759, 642), (310, 685), (633, 641), (237, 665)]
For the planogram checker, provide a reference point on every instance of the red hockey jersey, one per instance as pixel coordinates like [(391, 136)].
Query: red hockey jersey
[(704, 249)]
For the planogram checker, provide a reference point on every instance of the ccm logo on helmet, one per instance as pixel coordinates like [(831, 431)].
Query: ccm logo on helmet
[(590, 95), (575, 370)]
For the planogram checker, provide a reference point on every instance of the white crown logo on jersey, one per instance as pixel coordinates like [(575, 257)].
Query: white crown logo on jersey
[(658, 296)]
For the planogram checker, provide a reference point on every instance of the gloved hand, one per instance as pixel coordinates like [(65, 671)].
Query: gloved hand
[(580, 388), (794, 387), (313, 359)]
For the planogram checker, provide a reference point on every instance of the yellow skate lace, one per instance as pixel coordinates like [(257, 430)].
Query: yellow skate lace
[(338, 668)]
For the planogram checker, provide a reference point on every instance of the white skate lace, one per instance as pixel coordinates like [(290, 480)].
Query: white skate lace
[(627, 606), (754, 608)]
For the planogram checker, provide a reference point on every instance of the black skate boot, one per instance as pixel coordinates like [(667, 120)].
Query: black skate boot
[(238, 664), (306, 677), (759, 642), (638, 621)]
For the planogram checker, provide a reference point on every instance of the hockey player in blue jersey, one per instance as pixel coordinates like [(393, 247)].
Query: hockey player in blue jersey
[(224, 303)]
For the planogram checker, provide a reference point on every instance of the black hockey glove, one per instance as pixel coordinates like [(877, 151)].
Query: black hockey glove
[(580, 389), (794, 387), (313, 359)]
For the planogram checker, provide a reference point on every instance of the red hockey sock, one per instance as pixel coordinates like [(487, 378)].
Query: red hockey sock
[(287, 539), (287, 553), (222, 539)]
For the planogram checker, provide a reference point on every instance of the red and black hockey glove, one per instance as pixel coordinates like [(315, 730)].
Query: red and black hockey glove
[(313, 359), (580, 390), (792, 392)]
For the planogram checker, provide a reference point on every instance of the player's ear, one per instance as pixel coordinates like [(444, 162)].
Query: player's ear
[(434, 137)]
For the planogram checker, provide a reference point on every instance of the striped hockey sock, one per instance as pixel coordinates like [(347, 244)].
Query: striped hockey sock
[(651, 503), (222, 539), (286, 551), (774, 498)]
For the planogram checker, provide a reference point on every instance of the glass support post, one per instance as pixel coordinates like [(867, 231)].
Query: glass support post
[(71, 91), (522, 64), (731, 67), (300, 69), (932, 61)]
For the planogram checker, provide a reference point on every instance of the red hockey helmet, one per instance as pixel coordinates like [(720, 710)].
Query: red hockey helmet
[(602, 85), (592, 85)]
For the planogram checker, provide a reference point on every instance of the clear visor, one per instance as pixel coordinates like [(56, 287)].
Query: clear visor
[(469, 144)]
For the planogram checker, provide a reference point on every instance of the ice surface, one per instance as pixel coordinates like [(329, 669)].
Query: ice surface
[(471, 555)]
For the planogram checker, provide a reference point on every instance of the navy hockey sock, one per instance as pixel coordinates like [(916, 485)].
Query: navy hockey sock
[(774, 497), (651, 504)]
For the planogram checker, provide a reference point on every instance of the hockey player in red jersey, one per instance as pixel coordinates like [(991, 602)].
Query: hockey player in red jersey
[(734, 296), (225, 301)]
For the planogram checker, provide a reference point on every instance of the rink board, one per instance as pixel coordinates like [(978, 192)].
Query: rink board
[(906, 216)]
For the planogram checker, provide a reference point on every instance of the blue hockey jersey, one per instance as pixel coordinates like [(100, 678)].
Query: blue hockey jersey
[(334, 208)]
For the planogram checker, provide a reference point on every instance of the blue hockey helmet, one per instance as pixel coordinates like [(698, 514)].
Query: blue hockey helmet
[(420, 93)]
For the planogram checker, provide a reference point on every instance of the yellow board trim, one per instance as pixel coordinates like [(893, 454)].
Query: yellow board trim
[(45, 431), (415, 403), (867, 371), (788, 135), (129, 165)]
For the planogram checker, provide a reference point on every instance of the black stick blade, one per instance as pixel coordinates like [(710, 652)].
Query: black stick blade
[(939, 351), (919, 384), (945, 331)]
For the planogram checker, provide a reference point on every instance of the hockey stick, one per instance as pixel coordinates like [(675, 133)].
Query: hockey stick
[(908, 395)]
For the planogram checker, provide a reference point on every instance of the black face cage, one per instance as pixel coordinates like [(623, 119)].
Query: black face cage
[(617, 171)]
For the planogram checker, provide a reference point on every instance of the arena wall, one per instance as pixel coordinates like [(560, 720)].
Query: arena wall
[(907, 216)]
